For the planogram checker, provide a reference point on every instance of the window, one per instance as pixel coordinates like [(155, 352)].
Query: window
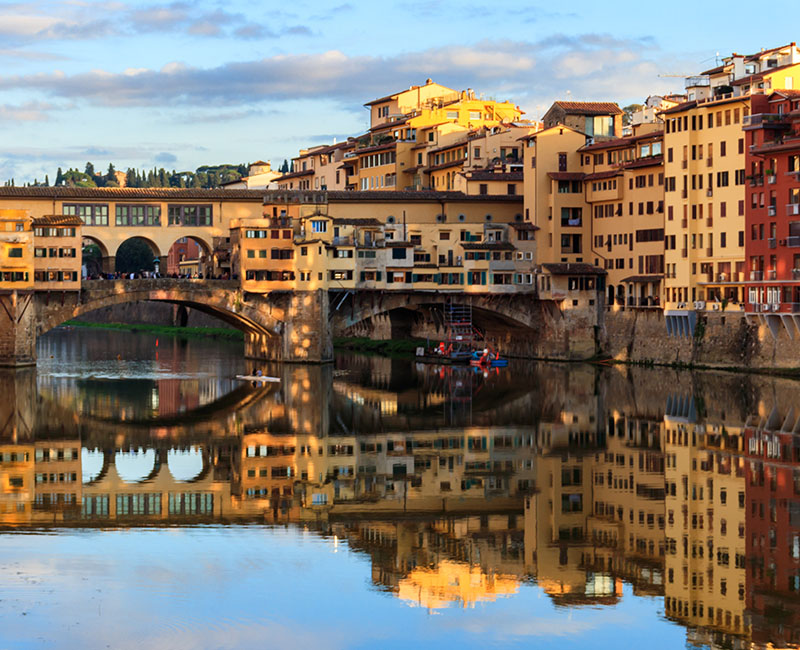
[(138, 215), (90, 214), (15, 252), (318, 225), (189, 215)]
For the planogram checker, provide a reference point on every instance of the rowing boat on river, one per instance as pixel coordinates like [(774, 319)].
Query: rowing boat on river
[(259, 378)]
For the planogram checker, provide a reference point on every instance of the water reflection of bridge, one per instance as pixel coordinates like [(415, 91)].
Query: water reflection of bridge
[(600, 480)]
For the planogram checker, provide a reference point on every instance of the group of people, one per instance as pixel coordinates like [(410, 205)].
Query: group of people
[(150, 275)]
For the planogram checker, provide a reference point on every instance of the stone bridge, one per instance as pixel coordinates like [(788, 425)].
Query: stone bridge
[(299, 326), (518, 324), (279, 326)]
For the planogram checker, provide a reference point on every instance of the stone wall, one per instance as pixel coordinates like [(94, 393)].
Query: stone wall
[(152, 313), (721, 340)]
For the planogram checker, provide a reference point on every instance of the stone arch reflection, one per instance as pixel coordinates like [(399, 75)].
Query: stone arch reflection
[(136, 465), (186, 465)]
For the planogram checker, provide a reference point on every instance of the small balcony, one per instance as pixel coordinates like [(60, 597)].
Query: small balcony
[(756, 276), (772, 242), (771, 179), (709, 192), (756, 180), (772, 210), (772, 274), (793, 209), (793, 241), (795, 274)]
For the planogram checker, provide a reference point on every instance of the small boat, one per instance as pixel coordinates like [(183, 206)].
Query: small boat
[(487, 359), (263, 379)]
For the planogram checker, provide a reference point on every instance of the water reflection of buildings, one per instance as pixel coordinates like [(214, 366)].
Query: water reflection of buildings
[(580, 482)]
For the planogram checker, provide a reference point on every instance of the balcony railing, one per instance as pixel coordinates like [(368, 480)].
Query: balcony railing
[(709, 192), (772, 274), (793, 241), (342, 241), (709, 252), (756, 276), (772, 242), (756, 180), (684, 194), (793, 209), (770, 119), (709, 221), (684, 252), (684, 164), (771, 179), (684, 222), (710, 161), (772, 210), (795, 274)]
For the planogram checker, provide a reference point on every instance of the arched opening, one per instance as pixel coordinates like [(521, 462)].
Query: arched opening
[(611, 295), (136, 255), (193, 257), (185, 465), (135, 465), (91, 464), (95, 258)]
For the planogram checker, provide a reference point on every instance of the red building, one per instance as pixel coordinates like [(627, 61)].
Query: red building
[(182, 250), (773, 531), (772, 217)]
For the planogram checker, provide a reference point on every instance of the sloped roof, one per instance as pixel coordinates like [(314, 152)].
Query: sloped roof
[(589, 108)]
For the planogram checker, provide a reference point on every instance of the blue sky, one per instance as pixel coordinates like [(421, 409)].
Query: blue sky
[(180, 84)]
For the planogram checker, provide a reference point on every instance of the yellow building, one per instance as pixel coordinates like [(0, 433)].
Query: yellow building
[(16, 253), (391, 241), (704, 170), (624, 190), (57, 252), (16, 483), (705, 178), (705, 511), (554, 196)]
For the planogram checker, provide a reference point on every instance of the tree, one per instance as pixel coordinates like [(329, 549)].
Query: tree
[(59, 177), (46, 180), (111, 174), (89, 171), (628, 112), (134, 255)]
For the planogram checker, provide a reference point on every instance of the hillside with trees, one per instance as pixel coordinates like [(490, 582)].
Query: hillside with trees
[(205, 176)]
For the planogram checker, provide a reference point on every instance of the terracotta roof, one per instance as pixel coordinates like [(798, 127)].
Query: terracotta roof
[(452, 163), (362, 196), (129, 193), (621, 142), (578, 268), (598, 176), (411, 170), (457, 143), (525, 225), (487, 246), (785, 92), (566, 176), (643, 278), (708, 103), (302, 172), (650, 161), (58, 220), (589, 108), (387, 126), (375, 147), (482, 175), (355, 221), (399, 244)]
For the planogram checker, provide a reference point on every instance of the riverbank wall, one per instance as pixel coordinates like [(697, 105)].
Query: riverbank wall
[(718, 340)]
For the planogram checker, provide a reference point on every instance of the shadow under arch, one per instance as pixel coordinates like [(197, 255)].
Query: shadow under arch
[(220, 299)]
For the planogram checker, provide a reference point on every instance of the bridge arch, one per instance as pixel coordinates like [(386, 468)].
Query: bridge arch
[(510, 310)]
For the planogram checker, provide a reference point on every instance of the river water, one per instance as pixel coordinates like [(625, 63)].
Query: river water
[(151, 500)]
